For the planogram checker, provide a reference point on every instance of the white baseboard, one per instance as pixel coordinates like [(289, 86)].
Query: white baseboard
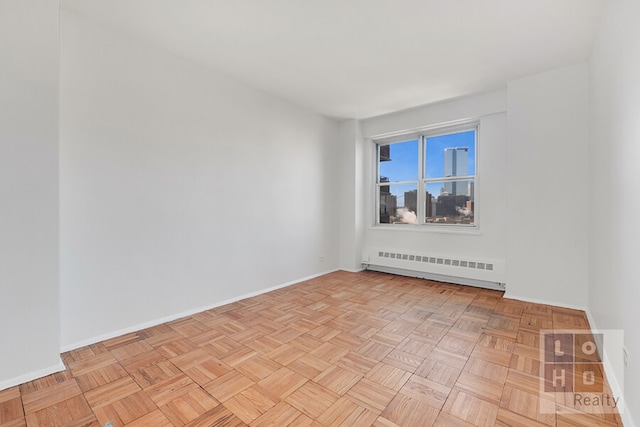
[(156, 322), (507, 295), (32, 375), (613, 381)]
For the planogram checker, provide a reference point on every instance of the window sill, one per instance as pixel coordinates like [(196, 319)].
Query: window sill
[(472, 230)]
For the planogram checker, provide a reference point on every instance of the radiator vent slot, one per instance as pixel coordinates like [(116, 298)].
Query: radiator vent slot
[(450, 262)]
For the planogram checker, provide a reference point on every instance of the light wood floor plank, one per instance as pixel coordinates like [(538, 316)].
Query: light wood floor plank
[(343, 349)]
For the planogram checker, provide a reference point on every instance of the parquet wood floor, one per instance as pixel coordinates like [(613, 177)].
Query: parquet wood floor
[(344, 349)]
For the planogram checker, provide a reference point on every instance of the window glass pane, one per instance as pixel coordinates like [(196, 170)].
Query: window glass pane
[(444, 207), (398, 204), (399, 161), (451, 155)]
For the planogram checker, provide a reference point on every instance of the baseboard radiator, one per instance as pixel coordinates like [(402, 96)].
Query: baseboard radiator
[(465, 271)]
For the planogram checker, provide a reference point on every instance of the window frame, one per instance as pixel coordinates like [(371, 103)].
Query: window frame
[(421, 183)]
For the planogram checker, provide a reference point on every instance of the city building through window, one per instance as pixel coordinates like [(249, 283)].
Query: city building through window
[(428, 178)]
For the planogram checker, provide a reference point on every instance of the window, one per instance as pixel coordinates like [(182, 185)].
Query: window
[(428, 178)]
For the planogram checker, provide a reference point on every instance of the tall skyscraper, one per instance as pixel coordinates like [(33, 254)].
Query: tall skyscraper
[(456, 163)]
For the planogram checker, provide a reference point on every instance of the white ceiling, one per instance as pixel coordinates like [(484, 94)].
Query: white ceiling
[(360, 58)]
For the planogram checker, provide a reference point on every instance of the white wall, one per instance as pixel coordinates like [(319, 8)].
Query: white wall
[(180, 188), (547, 212), (614, 157), (489, 242), (29, 310), (352, 194)]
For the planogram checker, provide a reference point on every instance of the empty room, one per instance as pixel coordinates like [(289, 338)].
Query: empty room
[(319, 213)]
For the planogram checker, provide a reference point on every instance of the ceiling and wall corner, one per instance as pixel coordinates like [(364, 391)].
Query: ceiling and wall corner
[(357, 59)]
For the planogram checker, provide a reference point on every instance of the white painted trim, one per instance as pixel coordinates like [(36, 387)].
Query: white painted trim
[(507, 295), (625, 414), (434, 129), (33, 375), (608, 369), (430, 228), (187, 313)]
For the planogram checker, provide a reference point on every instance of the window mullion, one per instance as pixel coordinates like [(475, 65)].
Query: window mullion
[(420, 197), (377, 186)]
